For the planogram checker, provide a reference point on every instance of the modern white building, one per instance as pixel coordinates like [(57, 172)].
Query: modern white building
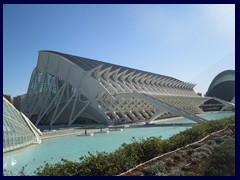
[(67, 89)]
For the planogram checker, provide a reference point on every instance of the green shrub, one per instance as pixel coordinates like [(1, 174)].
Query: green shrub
[(223, 160), (196, 145), (185, 168), (198, 155), (176, 172), (183, 152), (62, 168), (130, 155), (211, 143), (177, 157), (155, 169), (198, 132), (218, 140), (204, 148), (190, 152), (194, 160), (211, 148), (168, 161)]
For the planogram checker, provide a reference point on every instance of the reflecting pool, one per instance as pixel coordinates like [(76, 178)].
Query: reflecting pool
[(72, 147)]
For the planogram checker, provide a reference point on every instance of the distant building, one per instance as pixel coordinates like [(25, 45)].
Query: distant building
[(18, 101), (223, 86), (8, 97)]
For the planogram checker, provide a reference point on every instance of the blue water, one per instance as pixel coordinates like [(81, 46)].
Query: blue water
[(72, 147)]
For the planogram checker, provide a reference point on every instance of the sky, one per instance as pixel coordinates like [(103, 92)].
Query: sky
[(190, 42)]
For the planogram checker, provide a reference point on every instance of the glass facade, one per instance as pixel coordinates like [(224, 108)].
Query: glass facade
[(16, 130)]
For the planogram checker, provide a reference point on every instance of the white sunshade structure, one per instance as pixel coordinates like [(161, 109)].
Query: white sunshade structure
[(65, 89)]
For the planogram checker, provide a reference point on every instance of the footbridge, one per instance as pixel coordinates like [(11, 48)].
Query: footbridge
[(162, 107)]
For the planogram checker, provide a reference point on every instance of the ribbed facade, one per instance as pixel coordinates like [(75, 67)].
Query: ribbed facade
[(67, 89)]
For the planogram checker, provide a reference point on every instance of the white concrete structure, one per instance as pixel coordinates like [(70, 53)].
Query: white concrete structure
[(64, 89)]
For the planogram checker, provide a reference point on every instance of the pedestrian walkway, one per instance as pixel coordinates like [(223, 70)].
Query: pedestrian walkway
[(69, 132)]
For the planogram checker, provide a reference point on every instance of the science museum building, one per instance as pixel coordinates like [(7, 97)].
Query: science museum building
[(67, 89)]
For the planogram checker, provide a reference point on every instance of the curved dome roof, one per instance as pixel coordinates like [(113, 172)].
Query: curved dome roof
[(223, 86)]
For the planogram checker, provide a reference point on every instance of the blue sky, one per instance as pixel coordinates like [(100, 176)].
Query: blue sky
[(192, 43)]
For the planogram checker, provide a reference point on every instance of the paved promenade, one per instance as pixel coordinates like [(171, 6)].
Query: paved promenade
[(70, 132), (97, 128)]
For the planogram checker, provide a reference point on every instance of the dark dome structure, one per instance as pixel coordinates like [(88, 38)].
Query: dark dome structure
[(223, 86)]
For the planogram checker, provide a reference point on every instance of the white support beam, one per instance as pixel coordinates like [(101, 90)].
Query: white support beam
[(169, 86), (103, 71), (160, 83), (117, 86), (153, 80), (73, 108), (136, 77), (94, 70), (132, 76), (46, 109), (107, 73), (142, 78), (58, 103), (80, 112), (62, 109), (148, 79), (115, 73), (46, 99), (117, 77), (121, 74), (129, 76), (155, 116), (108, 86)]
